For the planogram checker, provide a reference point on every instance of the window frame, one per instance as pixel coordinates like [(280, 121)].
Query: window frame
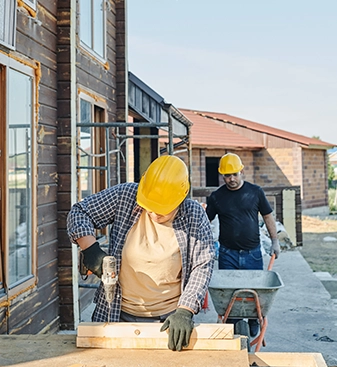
[(31, 3), (97, 135), (87, 48), (9, 25), (7, 63)]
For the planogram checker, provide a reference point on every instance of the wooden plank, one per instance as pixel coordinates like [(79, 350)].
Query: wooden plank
[(47, 252), (148, 336), (47, 153), (47, 233), (154, 343), (48, 116), (47, 193), (47, 272), (287, 359), (47, 213), (60, 350), (150, 330), (47, 174), (38, 320), (47, 135)]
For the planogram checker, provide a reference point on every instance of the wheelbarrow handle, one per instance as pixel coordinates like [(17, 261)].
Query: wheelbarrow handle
[(271, 262)]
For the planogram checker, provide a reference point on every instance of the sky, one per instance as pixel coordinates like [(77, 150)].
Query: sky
[(268, 61)]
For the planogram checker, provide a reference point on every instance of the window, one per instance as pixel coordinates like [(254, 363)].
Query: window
[(212, 174), (7, 23), (31, 3), (16, 180), (92, 161), (19, 175), (91, 152), (92, 26)]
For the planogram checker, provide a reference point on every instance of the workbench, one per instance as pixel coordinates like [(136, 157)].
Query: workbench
[(61, 350)]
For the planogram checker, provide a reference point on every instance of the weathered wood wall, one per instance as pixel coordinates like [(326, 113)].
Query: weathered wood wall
[(37, 309), (106, 81)]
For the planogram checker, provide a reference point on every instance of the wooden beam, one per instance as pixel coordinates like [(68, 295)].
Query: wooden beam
[(287, 359), (148, 336)]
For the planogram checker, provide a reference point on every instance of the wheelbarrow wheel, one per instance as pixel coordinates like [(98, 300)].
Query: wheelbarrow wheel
[(242, 328)]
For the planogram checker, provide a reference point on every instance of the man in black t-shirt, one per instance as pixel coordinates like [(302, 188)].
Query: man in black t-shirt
[(238, 204)]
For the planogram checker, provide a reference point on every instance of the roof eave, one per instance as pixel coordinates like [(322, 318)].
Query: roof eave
[(317, 146), (236, 147)]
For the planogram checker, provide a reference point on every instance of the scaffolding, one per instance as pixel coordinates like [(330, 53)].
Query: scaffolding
[(120, 140), (150, 111)]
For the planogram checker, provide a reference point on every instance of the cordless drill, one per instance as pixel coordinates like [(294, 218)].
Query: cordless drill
[(109, 279)]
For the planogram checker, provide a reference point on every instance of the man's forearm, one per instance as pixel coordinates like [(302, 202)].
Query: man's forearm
[(85, 242), (271, 225)]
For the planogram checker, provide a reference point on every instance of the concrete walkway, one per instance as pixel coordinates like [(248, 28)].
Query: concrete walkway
[(303, 316)]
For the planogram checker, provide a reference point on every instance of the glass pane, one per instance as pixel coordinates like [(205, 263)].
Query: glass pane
[(86, 22), (19, 176), (98, 27), (86, 147), (2, 20), (31, 3)]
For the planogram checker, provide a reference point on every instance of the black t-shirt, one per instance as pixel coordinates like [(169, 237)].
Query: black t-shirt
[(238, 213)]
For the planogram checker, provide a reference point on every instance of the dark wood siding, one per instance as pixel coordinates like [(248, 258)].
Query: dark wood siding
[(37, 309), (44, 40), (107, 80), (64, 152)]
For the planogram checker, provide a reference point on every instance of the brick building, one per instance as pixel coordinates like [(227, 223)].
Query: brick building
[(272, 157)]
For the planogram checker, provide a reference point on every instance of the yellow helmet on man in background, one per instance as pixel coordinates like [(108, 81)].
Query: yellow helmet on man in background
[(164, 185), (230, 163)]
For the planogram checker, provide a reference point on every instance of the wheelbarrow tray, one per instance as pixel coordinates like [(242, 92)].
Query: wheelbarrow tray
[(225, 282)]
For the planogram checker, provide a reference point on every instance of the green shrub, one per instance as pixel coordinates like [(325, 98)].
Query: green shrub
[(331, 175), (332, 200)]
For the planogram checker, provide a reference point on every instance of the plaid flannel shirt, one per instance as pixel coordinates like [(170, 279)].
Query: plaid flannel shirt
[(117, 206)]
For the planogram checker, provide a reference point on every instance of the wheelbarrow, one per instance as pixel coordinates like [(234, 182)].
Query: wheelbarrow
[(245, 294)]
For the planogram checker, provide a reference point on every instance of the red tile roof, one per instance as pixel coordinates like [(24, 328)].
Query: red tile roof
[(209, 132), (202, 130)]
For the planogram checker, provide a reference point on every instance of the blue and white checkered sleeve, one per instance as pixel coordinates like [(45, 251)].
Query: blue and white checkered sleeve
[(95, 211)]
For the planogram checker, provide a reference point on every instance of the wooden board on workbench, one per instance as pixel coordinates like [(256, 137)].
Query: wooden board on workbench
[(148, 336), (270, 359), (60, 350)]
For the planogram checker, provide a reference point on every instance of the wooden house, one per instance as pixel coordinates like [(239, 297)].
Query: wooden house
[(58, 68), (73, 121)]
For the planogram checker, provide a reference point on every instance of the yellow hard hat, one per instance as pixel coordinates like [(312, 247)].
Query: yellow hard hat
[(164, 185), (230, 163)]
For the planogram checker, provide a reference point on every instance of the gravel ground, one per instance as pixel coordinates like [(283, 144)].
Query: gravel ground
[(320, 243)]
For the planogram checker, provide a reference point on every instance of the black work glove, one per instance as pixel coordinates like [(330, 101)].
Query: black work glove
[(93, 259), (180, 325)]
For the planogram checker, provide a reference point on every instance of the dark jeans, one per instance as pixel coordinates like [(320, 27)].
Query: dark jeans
[(241, 260)]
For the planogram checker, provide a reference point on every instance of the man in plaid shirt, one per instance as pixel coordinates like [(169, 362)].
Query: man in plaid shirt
[(163, 245)]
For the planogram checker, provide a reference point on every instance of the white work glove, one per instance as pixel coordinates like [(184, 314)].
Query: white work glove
[(275, 247)]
